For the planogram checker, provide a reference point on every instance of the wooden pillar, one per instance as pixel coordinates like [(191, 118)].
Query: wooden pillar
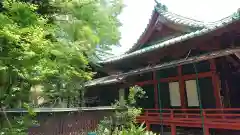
[(224, 73), (122, 97), (216, 83), (173, 129), (227, 91), (155, 90), (147, 126), (206, 131), (182, 87)]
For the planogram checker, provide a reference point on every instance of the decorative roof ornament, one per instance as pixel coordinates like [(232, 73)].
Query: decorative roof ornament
[(160, 6), (236, 15)]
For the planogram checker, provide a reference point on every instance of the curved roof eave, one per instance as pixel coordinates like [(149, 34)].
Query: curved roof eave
[(175, 40), (148, 30), (170, 17), (174, 18)]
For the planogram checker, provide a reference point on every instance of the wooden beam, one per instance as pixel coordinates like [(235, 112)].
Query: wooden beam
[(200, 75), (187, 77), (189, 60), (185, 61), (145, 82), (169, 79)]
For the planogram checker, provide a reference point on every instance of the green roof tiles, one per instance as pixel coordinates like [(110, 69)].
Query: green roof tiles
[(121, 77), (180, 19), (105, 80), (205, 28)]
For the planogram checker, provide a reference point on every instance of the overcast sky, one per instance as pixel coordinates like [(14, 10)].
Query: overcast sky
[(136, 14)]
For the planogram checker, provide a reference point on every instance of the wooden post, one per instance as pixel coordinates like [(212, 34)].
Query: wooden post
[(227, 91), (147, 126), (155, 90), (173, 129), (215, 82), (146, 121), (206, 130), (182, 87), (121, 97)]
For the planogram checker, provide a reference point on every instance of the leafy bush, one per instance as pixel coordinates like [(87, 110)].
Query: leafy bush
[(123, 122), (18, 125), (132, 130)]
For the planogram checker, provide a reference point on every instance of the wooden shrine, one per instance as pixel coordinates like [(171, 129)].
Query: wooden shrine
[(189, 69)]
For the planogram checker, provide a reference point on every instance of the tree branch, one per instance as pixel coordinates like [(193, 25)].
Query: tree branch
[(6, 117)]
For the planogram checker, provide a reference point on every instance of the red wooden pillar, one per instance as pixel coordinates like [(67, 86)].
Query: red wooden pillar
[(146, 121), (155, 90), (147, 126), (173, 129), (182, 87), (215, 82), (206, 131)]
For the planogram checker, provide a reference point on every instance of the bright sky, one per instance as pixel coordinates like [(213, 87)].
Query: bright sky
[(136, 14)]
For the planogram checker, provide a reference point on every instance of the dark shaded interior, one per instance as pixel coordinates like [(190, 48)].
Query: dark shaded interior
[(101, 96)]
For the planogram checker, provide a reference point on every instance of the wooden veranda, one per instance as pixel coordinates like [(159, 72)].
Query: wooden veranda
[(224, 118)]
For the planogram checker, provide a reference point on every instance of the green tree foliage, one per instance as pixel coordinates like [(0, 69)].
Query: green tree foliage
[(52, 47), (51, 43), (93, 20), (18, 125)]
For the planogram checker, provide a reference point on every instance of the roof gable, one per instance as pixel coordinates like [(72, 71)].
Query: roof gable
[(161, 20), (161, 34), (187, 28)]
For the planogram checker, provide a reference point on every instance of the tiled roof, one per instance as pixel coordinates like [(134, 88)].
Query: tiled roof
[(211, 55), (178, 19), (208, 28), (164, 15), (105, 80)]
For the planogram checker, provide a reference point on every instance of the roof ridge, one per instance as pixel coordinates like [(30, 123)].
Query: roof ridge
[(189, 18), (172, 40), (198, 22), (144, 31), (179, 19), (220, 21), (192, 23)]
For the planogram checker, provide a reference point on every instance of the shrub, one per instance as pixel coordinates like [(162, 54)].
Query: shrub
[(132, 130), (123, 122)]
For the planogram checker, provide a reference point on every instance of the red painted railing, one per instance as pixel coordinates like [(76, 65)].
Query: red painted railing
[(225, 118)]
